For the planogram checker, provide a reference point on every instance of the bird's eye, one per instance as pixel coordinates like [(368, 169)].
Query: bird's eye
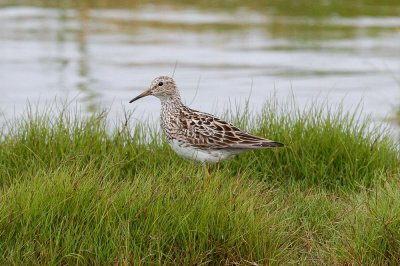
[(160, 83)]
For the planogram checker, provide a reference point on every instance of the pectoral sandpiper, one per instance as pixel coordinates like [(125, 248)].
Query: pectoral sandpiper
[(196, 135)]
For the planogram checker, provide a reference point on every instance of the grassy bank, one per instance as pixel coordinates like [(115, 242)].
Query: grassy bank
[(72, 192)]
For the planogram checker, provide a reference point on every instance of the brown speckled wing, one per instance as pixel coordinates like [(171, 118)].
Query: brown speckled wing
[(206, 131)]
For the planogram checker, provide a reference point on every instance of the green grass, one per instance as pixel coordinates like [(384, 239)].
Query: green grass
[(73, 191)]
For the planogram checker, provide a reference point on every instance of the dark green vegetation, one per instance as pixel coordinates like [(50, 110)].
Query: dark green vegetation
[(286, 13), (74, 193), (317, 8)]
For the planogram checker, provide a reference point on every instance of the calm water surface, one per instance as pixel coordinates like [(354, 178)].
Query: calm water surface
[(103, 56)]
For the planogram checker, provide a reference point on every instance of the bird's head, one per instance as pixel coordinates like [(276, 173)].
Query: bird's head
[(162, 87)]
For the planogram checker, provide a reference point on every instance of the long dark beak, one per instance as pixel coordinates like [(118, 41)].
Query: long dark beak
[(144, 94)]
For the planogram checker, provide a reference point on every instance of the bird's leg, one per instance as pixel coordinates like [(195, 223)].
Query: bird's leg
[(217, 167), (208, 176)]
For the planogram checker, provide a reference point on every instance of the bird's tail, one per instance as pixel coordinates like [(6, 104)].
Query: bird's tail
[(269, 144)]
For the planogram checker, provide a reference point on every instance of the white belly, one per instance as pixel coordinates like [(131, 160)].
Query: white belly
[(190, 153)]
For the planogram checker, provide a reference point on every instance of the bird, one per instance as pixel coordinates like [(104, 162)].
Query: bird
[(195, 135)]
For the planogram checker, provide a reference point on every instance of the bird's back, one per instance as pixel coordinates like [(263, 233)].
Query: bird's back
[(205, 131)]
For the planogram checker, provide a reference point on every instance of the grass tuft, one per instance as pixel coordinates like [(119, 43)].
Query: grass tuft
[(74, 190)]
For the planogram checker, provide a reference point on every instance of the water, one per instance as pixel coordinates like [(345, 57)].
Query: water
[(102, 55)]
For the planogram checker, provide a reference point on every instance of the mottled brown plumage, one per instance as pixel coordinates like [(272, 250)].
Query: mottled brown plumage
[(196, 135)]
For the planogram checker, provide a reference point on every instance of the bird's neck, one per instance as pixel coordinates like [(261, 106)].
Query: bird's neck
[(171, 104), (171, 101)]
